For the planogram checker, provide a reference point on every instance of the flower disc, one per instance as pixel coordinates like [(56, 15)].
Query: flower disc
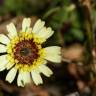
[(26, 52)]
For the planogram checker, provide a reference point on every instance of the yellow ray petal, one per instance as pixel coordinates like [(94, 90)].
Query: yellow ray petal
[(45, 70), (2, 48), (38, 26), (49, 32), (12, 30), (4, 39), (26, 24), (43, 34), (53, 54), (9, 65), (11, 75), (23, 78), (3, 62), (20, 80), (36, 77)]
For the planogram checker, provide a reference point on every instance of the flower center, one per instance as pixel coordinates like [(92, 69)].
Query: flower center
[(26, 52)]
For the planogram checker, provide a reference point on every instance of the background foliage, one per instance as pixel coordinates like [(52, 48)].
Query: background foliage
[(74, 23)]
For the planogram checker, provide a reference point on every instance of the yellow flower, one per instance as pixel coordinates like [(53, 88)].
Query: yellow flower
[(24, 53)]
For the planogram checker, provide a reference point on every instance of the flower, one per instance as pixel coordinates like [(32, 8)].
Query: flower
[(24, 54)]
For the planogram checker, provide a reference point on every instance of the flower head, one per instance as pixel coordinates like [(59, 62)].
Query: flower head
[(24, 53)]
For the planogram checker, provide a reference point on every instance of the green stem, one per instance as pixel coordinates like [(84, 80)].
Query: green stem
[(47, 14)]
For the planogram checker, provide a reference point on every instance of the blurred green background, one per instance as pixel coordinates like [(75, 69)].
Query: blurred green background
[(64, 16)]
